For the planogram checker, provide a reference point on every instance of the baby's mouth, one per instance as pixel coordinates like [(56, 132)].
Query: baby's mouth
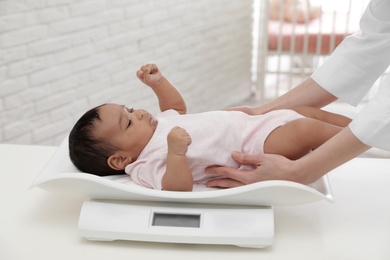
[(152, 120)]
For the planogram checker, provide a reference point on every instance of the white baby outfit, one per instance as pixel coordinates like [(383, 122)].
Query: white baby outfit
[(214, 136)]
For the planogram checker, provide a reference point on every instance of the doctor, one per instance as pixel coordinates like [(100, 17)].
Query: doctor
[(347, 74)]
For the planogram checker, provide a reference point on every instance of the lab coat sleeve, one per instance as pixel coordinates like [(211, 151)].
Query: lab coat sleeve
[(361, 58), (372, 124), (355, 65)]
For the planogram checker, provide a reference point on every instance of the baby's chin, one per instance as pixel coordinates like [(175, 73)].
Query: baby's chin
[(153, 122)]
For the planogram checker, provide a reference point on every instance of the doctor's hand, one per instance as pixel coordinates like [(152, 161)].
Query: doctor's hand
[(268, 167), (252, 111), (246, 109)]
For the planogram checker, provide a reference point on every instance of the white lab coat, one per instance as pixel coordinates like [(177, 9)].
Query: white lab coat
[(353, 68)]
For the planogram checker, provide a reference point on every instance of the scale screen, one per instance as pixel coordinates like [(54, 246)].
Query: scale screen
[(176, 220)]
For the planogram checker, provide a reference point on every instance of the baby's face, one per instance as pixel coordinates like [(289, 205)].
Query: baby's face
[(128, 129)]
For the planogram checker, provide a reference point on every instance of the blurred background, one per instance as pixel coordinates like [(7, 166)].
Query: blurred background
[(59, 58), (62, 57)]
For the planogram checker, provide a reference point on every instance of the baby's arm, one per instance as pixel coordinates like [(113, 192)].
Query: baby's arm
[(178, 176), (168, 96)]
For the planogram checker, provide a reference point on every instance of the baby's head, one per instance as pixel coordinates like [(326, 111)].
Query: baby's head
[(109, 137)]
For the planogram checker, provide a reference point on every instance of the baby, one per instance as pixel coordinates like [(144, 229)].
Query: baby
[(172, 150)]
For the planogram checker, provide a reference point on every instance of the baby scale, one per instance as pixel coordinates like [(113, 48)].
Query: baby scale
[(119, 209)]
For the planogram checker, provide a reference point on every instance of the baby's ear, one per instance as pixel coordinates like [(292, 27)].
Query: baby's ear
[(119, 161)]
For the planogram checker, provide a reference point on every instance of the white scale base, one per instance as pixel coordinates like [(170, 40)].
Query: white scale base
[(244, 226)]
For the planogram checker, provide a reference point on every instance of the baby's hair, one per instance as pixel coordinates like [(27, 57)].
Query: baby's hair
[(87, 152)]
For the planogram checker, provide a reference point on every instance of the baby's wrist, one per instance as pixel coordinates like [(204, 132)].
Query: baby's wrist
[(176, 153), (159, 83)]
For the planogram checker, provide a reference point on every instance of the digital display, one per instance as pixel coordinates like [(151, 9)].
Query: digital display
[(176, 220)]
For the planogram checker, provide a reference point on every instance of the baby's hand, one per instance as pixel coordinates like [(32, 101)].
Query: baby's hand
[(178, 141), (150, 75)]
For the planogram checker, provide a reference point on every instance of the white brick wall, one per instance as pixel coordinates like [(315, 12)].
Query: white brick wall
[(59, 58)]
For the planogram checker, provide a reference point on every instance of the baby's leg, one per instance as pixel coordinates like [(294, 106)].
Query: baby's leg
[(298, 137), (325, 116)]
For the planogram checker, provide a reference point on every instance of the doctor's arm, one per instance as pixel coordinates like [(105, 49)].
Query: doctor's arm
[(348, 73), (308, 93), (341, 148)]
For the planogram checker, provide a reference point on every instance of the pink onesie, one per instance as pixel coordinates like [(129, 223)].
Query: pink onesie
[(214, 136)]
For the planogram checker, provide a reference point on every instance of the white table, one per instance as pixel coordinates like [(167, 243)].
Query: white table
[(36, 224)]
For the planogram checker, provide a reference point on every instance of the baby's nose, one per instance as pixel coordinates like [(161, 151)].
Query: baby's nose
[(139, 115)]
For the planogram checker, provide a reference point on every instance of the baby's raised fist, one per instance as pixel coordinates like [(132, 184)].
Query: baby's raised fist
[(150, 75), (178, 141)]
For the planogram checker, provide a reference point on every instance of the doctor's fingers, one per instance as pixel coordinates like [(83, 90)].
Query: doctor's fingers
[(246, 109), (224, 183), (247, 159), (242, 176)]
